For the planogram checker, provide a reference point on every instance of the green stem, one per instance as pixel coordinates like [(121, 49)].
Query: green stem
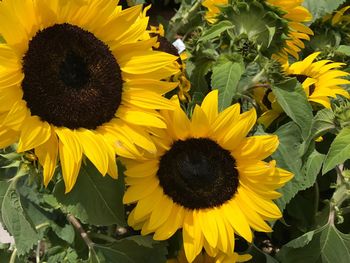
[(13, 256), (103, 237), (76, 224), (340, 195), (176, 24), (38, 252)]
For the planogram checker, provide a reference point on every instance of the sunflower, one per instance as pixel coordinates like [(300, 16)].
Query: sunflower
[(213, 9), (205, 258), (321, 79), (164, 45), (268, 104), (74, 80), (338, 17), (296, 15), (207, 178), (292, 12)]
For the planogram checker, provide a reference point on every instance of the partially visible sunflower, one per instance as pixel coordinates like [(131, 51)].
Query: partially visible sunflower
[(296, 15), (74, 80), (164, 45), (207, 178), (338, 17), (268, 104), (213, 9), (320, 81), (292, 12), (205, 258)]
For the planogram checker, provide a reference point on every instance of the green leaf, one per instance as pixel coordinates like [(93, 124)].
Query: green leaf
[(127, 250), (197, 73), (95, 199), (319, 8), (322, 123), (326, 244), (289, 149), (216, 30), (293, 100), (225, 78), (344, 49), (339, 151), (311, 169), (16, 221)]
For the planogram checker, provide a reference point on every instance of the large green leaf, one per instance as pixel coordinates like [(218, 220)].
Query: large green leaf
[(95, 199), (339, 151), (225, 78), (344, 49), (322, 123), (326, 244), (305, 174), (293, 100), (130, 250), (16, 220), (319, 8), (216, 30), (197, 71)]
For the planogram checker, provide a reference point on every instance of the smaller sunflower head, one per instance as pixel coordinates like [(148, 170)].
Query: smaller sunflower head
[(213, 7), (205, 258), (268, 105), (207, 178), (320, 79), (296, 15), (342, 113), (177, 49)]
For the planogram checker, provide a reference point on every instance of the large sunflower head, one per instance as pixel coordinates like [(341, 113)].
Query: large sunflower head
[(75, 77), (321, 79), (277, 25), (207, 178), (163, 44), (205, 258)]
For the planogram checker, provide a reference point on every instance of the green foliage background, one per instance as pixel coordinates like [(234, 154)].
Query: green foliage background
[(49, 226)]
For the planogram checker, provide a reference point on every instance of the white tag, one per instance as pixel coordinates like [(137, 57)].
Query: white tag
[(180, 46)]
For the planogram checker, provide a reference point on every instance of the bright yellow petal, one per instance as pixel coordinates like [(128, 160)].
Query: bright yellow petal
[(93, 147), (47, 154), (34, 133)]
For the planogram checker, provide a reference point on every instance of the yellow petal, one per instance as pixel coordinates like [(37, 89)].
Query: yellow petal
[(237, 219), (94, 148), (160, 213), (34, 133), (239, 129), (199, 123), (70, 153), (256, 147), (207, 221), (142, 118), (47, 154), (210, 106), (157, 86), (145, 61), (139, 191), (16, 116), (147, 100), (174, 222), (255, 220), (192, 236)]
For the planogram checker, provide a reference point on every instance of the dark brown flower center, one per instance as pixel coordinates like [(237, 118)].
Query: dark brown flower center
[(198, 173), (71, 78), (301, 79)]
